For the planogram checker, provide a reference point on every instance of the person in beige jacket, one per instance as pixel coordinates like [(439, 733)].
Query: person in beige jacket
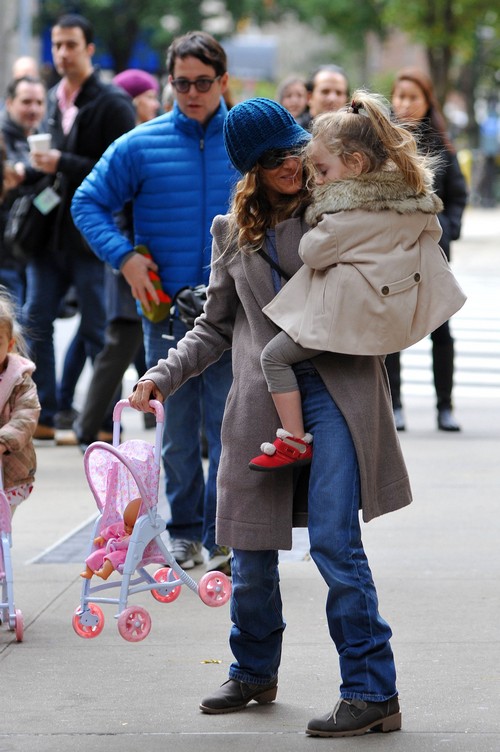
[(357, 463), (374, 279), (19, 409)]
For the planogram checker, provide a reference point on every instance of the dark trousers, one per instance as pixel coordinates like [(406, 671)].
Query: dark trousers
[(443, 353), (48, 280), (124, 340)]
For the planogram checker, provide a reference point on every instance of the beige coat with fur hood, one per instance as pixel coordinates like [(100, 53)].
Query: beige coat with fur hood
[(257, 510), (19, 411), (374, 279)]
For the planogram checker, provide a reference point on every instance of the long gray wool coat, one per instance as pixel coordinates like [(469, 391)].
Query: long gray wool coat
[(257, 510)]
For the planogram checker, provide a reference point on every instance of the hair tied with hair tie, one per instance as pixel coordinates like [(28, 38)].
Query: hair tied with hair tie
[(355, 107)]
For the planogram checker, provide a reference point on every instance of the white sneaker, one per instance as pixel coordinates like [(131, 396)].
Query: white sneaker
[(219, 559), (187, 553)]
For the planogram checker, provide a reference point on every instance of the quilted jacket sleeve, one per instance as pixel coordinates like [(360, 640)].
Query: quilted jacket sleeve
[(17, 432), (212, 334), (103, 193)]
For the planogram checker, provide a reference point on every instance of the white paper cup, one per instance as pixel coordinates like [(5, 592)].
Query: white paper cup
[(40, 142)]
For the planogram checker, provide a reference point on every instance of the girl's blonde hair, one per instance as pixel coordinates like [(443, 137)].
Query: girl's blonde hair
[(9, 323), (365, 126), (254, 213)]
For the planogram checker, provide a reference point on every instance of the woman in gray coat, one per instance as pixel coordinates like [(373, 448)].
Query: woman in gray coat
[(357, 461)]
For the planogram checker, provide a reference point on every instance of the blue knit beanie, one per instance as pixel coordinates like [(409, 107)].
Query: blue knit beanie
[(256, 126)]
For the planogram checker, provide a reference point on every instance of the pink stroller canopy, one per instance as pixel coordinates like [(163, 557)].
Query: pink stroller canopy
[(118, 475)]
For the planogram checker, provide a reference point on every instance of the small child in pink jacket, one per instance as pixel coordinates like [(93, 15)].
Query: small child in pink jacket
[(19, 408)]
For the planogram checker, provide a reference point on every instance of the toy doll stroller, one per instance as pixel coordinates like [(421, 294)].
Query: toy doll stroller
[(117, 474), (8, 611)]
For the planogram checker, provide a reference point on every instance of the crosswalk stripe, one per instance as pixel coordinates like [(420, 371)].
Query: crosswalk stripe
[(476, 330)]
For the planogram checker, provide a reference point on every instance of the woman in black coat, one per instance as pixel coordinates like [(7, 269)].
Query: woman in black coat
[(414, 103)]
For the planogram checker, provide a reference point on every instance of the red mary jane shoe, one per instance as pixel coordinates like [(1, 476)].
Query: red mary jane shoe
[(285, 451)]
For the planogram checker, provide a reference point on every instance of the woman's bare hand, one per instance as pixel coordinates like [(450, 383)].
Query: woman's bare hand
[(145, 391)]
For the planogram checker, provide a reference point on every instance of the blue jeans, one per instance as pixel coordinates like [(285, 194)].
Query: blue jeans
[(15, 283), (360, 635), (200, 401), (48, 280), (74, 363)]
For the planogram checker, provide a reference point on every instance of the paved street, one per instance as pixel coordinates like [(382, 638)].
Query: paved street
[(436, 565)]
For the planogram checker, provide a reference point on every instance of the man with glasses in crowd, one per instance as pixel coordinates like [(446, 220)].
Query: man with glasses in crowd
[(177, 174)]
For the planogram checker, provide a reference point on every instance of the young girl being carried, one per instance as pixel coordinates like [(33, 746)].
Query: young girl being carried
[(19, 408), (374, 279)]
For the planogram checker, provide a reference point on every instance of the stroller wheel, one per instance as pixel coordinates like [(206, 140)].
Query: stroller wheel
[(162, 575), (19, 625), (214, 589), (89, 623), (134, 624)]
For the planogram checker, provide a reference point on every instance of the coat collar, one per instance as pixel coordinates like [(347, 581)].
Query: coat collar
[(385, 190)]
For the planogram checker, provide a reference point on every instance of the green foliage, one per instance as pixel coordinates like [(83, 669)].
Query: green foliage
[(442, 23), (345, 18), (118, 24), (451, 31)]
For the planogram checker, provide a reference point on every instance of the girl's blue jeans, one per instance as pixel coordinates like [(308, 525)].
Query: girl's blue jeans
[(360, 634)]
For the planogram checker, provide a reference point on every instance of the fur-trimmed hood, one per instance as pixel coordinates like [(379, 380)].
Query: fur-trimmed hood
[(373, 192)]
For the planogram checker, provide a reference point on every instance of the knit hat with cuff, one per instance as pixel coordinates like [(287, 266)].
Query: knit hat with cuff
[(256, 126)]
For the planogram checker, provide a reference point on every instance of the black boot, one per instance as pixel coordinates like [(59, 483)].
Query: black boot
[(446, 421), (356, 717), (234, 695)]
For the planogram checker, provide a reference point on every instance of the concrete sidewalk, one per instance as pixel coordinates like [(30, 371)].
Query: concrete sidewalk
[(436, 566)]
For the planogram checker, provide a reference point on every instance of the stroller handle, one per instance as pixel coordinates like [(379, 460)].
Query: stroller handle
[(155, 404)]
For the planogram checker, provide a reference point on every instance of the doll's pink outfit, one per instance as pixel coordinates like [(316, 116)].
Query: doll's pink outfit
[(115, 550)]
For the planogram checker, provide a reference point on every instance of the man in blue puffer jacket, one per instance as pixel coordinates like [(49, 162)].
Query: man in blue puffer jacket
[(176, 172)]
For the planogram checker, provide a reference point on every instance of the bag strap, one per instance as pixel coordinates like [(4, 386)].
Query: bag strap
[(274, 265)]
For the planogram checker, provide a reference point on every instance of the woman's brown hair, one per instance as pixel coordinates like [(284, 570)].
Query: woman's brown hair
[(254, 213), (434, 112)]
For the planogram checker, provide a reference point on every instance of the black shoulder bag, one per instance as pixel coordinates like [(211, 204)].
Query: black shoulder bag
[(28, 228), (274, 265)]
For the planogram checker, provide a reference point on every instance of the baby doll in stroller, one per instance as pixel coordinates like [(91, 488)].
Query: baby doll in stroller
[(113, 541), (127, 538)]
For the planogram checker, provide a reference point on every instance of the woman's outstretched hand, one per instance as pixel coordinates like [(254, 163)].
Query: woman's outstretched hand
[(145, 390)]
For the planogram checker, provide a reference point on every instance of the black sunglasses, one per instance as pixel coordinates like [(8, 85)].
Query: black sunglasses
[(202, 85), (273, 158)]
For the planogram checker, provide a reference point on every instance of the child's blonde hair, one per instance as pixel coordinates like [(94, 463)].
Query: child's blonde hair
[(9, 323), (365, 126)]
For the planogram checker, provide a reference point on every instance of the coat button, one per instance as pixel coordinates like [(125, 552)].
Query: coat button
[(416, 277), (385, 290)]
